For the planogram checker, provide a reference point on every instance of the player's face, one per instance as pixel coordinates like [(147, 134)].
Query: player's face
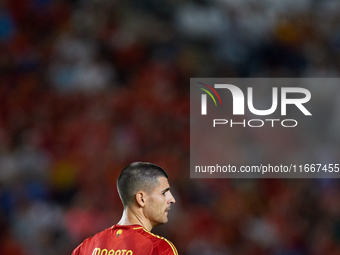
[(159, 202)]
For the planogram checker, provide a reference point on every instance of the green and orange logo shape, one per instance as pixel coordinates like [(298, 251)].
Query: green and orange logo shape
[(209, 93)]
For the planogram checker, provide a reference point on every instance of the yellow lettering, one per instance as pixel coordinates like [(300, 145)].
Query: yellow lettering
[(96, 251)]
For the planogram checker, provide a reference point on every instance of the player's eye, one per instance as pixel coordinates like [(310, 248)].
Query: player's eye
[(165, 191)]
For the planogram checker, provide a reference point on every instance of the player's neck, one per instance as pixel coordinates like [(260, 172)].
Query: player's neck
[(133, 216)]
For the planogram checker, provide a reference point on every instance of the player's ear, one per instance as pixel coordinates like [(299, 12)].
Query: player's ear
[(140, 198)]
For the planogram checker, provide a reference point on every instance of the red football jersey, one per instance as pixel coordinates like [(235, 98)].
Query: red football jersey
[(126, 240)]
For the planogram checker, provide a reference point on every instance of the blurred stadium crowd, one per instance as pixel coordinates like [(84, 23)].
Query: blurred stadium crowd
[(87, 86)]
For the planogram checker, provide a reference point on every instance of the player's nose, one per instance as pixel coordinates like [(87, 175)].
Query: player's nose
[(172, 199)]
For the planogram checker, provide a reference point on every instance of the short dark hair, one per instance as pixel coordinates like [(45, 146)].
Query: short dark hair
[(138, 176)]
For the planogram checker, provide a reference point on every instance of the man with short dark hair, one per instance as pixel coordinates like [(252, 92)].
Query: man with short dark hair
[(145, 193)]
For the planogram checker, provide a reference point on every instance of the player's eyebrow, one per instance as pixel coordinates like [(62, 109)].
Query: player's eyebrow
[(165, 190)]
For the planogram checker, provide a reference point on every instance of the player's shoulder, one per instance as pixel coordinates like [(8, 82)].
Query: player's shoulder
[(87, 242), (161, 244), (99, 235)]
